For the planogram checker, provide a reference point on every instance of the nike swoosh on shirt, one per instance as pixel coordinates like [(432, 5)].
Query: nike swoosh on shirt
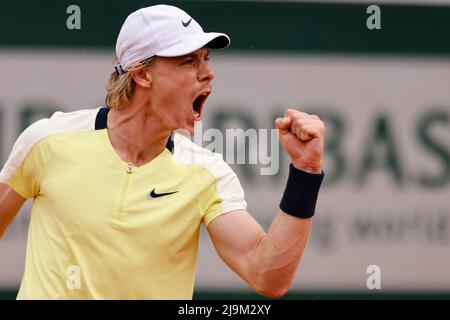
[(186, 24), (153, 194)]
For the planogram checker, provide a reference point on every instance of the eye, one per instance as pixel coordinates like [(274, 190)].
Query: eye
[(188, 61), (207, 59)]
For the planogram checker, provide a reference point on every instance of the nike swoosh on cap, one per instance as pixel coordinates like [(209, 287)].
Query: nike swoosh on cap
[(185, 24), (153, 194)]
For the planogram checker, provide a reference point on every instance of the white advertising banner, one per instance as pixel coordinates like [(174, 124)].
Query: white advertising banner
[(385, 202)]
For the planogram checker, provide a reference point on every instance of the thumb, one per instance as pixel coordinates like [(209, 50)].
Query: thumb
[(283, 124)]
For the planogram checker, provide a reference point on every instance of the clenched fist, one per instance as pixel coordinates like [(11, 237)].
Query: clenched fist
[(302, 136)]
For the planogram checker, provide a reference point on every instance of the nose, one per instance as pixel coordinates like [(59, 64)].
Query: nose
[(206, 73)]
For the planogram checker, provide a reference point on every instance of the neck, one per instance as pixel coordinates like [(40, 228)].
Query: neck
[(135, 134)]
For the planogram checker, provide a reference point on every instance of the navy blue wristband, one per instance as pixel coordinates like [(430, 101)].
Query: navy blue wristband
[(300, 196)]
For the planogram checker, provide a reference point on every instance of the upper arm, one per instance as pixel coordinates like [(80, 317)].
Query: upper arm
[(268, 262), (20, 176), (236, 236), (10, 203)]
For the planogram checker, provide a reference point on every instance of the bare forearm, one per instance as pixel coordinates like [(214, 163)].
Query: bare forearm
[(279, 253)]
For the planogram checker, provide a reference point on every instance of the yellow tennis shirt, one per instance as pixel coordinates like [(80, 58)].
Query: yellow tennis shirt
[(104, 229)]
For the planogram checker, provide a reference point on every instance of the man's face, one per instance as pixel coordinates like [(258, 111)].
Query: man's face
[(180, 86)]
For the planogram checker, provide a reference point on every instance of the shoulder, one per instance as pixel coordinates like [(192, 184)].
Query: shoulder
[(59, 122), (187, 152), (227, 186)]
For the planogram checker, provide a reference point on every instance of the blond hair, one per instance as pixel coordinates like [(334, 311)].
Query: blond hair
[(120, 88)]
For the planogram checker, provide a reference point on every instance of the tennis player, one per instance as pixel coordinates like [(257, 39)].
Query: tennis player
[(119, 197)]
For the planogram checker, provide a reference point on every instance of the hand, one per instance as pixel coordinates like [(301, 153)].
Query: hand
[(302, 136)]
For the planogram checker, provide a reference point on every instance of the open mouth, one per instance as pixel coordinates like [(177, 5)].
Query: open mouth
[(197, 105)]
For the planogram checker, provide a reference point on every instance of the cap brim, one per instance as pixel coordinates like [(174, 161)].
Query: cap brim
[(211, 40)]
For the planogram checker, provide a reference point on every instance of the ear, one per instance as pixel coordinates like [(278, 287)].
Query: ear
[(143, 78)]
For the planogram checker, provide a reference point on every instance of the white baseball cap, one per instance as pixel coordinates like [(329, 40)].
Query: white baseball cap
[(164, 31)]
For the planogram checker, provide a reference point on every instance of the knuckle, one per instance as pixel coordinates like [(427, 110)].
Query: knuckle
[(300, 122), (288, 110), (322, 126)]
